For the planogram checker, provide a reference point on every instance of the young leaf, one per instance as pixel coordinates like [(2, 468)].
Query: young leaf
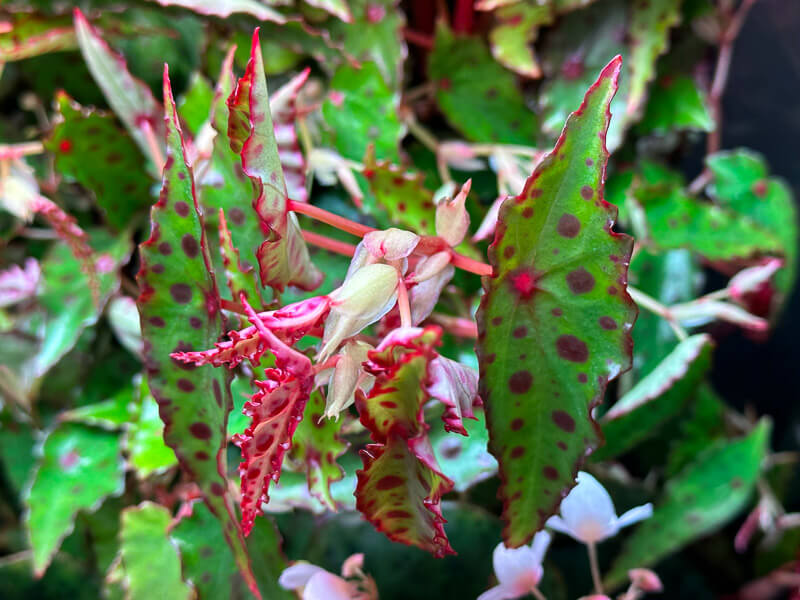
[(283, 258), (553, 326), (651, 22), (513, 36), (361, 109), (741, 183), (240, 280), (131, 99), (403, 195), (149, 558), (656, 398), (317, 445), (179, 307), (478, 96), (113, 172), (706, 495), (79, 467), (147, 451)]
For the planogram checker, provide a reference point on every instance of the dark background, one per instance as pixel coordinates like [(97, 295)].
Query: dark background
[(762, 112)]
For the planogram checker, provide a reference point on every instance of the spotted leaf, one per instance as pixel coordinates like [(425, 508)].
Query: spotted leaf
[(130, 98), (179, 308), (317, 445), (283, 257), (113, 173), (516, 30), (553, 326), (704, 496), (240, 280)]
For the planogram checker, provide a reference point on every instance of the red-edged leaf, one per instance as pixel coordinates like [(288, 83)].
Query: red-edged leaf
[(399, 492), (401, 485), (225, 8), (31, 35), (553, 326), (240, 280), (131, 99), (283, 258), (179, 307), (317, 445)]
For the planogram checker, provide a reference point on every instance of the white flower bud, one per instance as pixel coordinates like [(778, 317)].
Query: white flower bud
[(391, 244)]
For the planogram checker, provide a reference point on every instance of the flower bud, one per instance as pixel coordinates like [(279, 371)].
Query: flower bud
[(345, 378), (750, 280), (460, 156), (646, 580), (391, 244), (452, 219)]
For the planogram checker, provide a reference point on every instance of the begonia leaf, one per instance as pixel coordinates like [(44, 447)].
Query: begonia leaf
[(676, 103), (179, 307), (114, 171), (516, 29), (656, 398), (403, 195), (283, 257), (704, 496), (78, 468), (742, 184), (131, 100), (317, 445), (699, 430), (477, 95), (150, 560), (651, 21), (225, 8), (113, 413), (361, 109), (240, 279), (337, 8), (31, 35), (147, 452), (466, 460), (553, 326)]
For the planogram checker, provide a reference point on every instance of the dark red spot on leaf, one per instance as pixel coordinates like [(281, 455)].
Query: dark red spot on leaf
[(580, 281), (190, 246), (550, 473), (200, 430), (520, 382), (388, 482), (572, 348), (568, 226), (607, 323), (563, 420), (517, 424), (587, 192), (181, 293)]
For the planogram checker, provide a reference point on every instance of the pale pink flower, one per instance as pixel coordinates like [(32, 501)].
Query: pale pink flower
[(518, 570)]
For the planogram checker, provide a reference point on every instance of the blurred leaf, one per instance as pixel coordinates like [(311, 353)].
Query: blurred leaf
[(704, 496), (179, 307), (109, 414), (17, 454), (147, 451), (225, 8), (699, 430), (656, 398), (90, 148), (516, 30), (559, 289), (150, 560), (478, 96), (361, 110), (317, 445), (651, 21), (741, 183), (67, 297), (31, 35), (337, 8), (195, 105), (465, 460), (676, 102), (79, 466)]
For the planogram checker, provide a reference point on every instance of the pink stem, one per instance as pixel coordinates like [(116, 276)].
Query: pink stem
[(404, 305), (323, 241), (328, 217)]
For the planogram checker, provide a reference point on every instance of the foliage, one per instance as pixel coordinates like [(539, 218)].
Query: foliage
[(328, 285)]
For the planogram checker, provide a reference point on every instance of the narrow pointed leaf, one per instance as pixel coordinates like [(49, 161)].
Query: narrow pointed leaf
[(79, 467), (317, 445), (656, 398), (113, 171), (553, 326), (651, 22), (225, 8), (702, 498), (283, 257), (132, 100), (179, 307), (240, 280), (150, 560), (513, 36)]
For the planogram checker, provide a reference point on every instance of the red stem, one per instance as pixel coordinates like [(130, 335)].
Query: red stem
[(323, 241), (232, 306), (463, 16), (328, 217), (420, 39), (470, 264)]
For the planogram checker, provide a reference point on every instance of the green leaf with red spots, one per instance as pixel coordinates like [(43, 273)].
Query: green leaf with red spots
[(400, 487), (361, 110), (651, 21), (90, 148), (316, 445), (704, 496), (514, 34), (402, 194), (132, 100), (148, 557), (742, 184), (78, 468), (283, 257), (656, 398), (553, 326), (478, 96), (31, 35), (240, 280), (674, 219), (179, 308)]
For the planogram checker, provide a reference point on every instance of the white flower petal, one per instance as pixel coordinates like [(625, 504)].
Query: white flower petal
[(515, 566), (588, 510), (327, 586), (634, 515), (498, 592), (539, 545), (296, 576), (556, 523)]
